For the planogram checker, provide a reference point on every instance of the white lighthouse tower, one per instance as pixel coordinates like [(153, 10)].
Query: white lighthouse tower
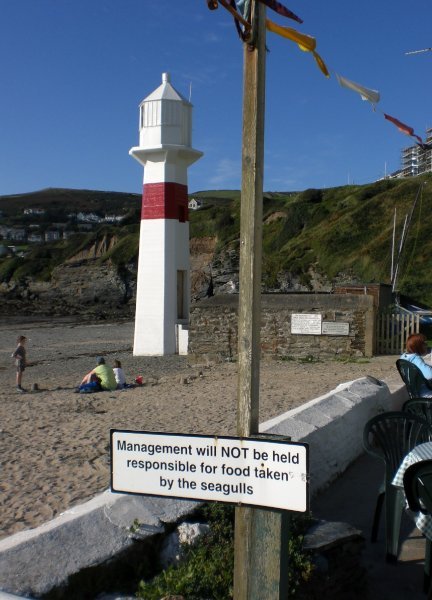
[(163, 283)]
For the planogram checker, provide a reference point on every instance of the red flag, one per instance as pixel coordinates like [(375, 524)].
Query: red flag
[(402, 127)]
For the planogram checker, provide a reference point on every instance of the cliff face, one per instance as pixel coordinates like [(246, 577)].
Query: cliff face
[(84, 288), (83, 285), (93, 286)]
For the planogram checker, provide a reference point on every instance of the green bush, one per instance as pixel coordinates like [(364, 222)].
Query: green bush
[(125, 251), (8, 267), (311, 196), (206, 568)]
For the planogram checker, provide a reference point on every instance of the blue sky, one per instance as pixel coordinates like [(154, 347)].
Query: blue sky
[(72, 73)]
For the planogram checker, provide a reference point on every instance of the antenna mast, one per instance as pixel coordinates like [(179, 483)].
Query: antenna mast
[(418, 51)]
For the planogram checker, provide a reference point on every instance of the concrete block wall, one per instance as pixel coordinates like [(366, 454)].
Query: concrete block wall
[(33, 562), (334, 424)]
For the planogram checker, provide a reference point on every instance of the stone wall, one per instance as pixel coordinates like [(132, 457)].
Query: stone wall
[(381, 292), (213, 325)]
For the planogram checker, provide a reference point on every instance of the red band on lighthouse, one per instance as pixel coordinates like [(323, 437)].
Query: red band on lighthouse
[(165, 201)]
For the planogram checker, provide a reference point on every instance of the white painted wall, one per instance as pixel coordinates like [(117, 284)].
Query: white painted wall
[(333, 425), (163, 250)]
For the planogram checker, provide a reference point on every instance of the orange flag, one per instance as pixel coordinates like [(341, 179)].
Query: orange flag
[(305, 42)]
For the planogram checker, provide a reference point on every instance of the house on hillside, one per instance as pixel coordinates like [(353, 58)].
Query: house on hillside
[(17, 235), (88, 218), (4, 231), (113, 218), (52, 235), (34, 211), (67, 234), (35, 238), (194, 204)]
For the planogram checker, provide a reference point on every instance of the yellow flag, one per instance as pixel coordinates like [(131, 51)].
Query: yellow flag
[(321, 64), (305, 42)]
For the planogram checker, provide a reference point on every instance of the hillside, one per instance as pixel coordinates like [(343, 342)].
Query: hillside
[(61, 202), (316, 238), (311, 240)]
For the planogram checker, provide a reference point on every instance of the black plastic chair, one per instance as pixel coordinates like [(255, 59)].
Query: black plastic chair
[(390, 437), (413, 378), (418, 491), (421, 407)]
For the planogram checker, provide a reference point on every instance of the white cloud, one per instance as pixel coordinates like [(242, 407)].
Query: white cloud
[(211, 37), (227, 173)]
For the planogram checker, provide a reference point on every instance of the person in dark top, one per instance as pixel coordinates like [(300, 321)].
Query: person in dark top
[(20, 361)]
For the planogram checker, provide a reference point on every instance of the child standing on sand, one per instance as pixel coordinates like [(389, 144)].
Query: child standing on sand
[(20, 361)]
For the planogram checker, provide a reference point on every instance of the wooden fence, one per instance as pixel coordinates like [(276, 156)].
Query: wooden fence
[(392, 331)]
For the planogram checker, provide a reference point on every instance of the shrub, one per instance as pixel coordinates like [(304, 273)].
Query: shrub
[(311, 196), (206, 568), (8, 267)]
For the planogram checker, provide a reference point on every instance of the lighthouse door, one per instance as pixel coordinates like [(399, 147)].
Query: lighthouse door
[(181, 300)]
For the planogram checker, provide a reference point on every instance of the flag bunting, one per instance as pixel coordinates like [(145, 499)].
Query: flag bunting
[(240, 9)]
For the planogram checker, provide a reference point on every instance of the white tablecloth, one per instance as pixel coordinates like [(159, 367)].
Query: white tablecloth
[(419, 453)]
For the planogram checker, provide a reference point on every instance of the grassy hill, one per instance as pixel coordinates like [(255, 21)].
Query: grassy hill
[(61, 202), (344, 232)]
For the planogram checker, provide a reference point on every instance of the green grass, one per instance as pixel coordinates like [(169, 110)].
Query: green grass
[(206, 568)]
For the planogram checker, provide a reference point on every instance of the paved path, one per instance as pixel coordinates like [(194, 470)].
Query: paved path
[(352, 499)]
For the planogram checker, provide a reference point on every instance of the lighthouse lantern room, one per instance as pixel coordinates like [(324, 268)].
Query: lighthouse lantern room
[(163, 281)]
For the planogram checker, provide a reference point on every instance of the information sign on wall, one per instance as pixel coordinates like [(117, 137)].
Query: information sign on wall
[(335, 328), (306, 324), (248, 471)]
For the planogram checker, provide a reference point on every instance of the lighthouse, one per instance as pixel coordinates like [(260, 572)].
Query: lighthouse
[(163, 282)]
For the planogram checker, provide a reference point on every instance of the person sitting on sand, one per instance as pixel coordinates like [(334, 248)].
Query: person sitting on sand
[(119, 375), (20, 361), (416, 350), (104, 373)]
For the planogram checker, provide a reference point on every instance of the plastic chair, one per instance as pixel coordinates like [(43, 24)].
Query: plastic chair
[(391, 436), (421, 407), (413, 378), (418, 492)]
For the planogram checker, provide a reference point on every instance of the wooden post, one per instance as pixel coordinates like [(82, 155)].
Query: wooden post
[(251, 227), (259, 534)]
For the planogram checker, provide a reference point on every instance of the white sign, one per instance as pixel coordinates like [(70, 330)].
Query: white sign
[(306, 324), (335, 328), (243, 471)]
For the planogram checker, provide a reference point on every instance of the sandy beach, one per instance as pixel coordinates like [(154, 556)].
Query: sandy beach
[(54, 443)]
